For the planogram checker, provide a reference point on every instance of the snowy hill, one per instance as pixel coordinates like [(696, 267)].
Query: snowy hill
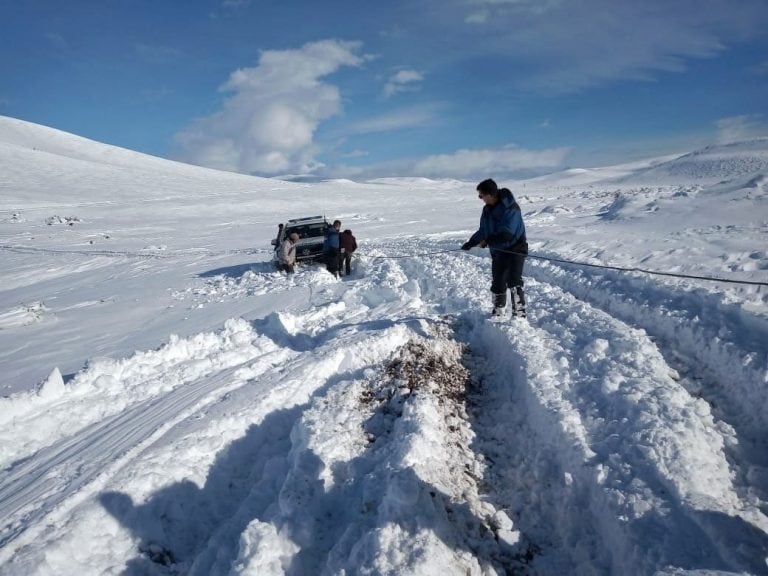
[(739, 161), (42, 139), (606, 174), (173, 405), (41, 166)]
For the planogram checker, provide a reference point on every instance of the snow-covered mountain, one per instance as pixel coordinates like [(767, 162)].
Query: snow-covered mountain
[(26, 137), (723, 163), (51, 164), (172, 405), (737, 162)]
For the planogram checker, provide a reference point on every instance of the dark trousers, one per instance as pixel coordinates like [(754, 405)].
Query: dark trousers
[(289, 268), (345, 263), (507, 269), (332, 261)]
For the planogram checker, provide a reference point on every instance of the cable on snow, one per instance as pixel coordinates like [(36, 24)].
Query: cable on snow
[(586, 264)]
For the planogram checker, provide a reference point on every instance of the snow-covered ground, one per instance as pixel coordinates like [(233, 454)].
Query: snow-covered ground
[(172, 405)]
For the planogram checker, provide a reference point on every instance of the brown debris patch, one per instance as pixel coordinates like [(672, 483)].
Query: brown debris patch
[(433, 366)]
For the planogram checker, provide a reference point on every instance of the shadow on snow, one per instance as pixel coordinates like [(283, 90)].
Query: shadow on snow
[(258, 477), (239, 270)]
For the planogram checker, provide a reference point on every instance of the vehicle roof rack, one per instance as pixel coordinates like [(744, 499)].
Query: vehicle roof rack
[(306, 218)]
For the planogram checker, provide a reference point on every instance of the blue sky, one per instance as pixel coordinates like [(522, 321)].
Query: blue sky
[(353, 88)]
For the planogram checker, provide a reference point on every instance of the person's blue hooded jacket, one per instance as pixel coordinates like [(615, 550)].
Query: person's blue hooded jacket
[(501, 225), (331, 241)]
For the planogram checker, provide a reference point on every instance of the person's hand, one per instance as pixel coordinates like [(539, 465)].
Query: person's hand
[(467, 246), (342, 250)]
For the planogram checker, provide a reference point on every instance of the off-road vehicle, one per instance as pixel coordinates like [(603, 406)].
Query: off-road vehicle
[(311, 231)]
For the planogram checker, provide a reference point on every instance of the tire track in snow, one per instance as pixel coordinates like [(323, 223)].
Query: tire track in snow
[(728, 343), (37, 485), (219, 511), (683, 487), (523, 472), (719, 350), (654, 458), (33, 420), (148, 254), (522, 448), (310, 340)]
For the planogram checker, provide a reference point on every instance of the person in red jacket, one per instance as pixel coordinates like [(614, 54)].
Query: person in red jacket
[(347, 245)]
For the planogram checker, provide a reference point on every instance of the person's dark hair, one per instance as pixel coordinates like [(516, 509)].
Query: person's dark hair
[(337, 222), (488, 186)]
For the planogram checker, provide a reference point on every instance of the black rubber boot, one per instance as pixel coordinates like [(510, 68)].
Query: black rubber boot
[(499, 304), (518, 301)]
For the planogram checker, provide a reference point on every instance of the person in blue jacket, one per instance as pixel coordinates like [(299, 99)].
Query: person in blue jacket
[(503, 232), (331, 247)]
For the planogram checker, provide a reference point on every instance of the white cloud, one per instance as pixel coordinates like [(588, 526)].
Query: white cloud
[(488, 8), (466, 164), (463, 164), (268, 121), (356, 154), (560, 46), (476, 162), (737, 128), (479, 17), (402, 119), (401, 81)]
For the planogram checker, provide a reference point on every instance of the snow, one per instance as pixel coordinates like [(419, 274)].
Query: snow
[(173, 405)]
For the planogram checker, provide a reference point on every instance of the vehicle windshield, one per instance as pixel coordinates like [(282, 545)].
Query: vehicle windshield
[(307, 230)]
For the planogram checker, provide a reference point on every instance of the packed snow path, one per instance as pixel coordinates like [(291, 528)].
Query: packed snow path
[(383, 425)]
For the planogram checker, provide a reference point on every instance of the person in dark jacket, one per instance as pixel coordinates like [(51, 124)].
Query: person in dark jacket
[(347, 244), (503, 232), (331, 247)]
